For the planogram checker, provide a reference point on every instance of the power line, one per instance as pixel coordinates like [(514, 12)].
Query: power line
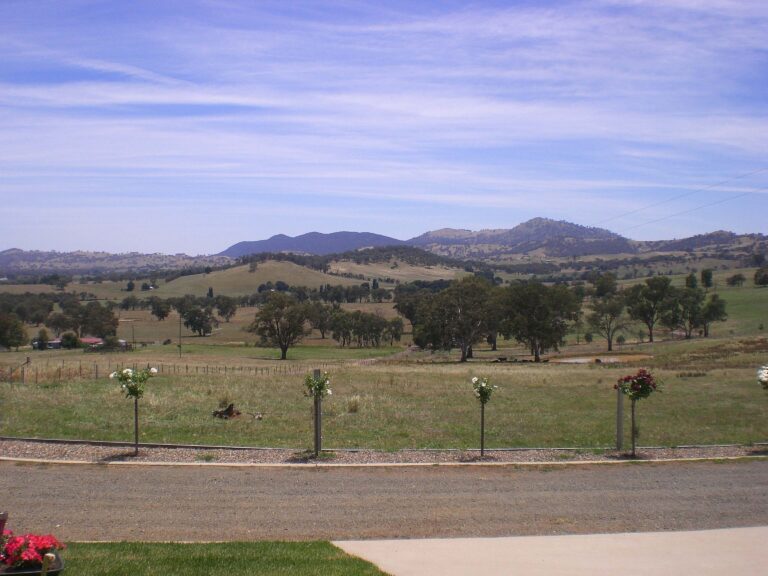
[(673, 198), (696, 208)]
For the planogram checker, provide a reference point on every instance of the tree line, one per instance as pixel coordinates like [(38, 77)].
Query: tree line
[(283, 321), (539, 316), (73, 319)]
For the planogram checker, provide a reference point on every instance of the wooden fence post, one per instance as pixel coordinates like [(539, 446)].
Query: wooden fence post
[(318, 418)]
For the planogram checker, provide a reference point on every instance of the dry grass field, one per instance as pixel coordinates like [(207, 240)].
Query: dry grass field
[(419, 400)]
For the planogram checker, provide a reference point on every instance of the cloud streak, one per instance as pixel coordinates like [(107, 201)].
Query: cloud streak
[(481, 114)]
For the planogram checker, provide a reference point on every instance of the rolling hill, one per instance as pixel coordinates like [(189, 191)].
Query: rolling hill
[(311, 243)]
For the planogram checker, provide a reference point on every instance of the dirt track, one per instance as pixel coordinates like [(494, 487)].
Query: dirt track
[(97, 502)]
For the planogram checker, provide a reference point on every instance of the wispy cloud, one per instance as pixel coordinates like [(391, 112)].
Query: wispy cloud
[(480, 112)]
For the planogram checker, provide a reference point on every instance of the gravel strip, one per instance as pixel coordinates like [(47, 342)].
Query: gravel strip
[(103, 454)]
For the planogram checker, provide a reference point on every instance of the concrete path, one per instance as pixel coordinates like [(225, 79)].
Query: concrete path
[(741, 551)]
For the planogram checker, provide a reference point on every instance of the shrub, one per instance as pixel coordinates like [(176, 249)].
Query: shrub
[(353, 404), (69, 340)]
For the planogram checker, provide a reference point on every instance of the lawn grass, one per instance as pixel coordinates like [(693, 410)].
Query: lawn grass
[(709, 395), (229, 558)]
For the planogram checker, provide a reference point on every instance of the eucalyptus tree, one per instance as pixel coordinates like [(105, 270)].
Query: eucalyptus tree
[(686, 312), (607, 317), (12, 331), (464, 304), (648, 302), (280, 322), (537, 315), (713, 311)]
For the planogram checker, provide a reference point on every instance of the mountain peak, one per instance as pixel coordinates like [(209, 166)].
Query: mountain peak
[(554, 237), (316, 243)]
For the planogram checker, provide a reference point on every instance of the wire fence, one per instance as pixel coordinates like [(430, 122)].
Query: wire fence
[(64, 371)]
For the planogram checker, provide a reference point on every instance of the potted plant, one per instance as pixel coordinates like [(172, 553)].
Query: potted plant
[(26, 554)]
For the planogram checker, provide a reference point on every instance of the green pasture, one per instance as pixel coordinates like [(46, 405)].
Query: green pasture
[(709, 395), (230, 558)]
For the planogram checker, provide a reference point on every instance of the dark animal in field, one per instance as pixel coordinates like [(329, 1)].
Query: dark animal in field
[(227, 413), (232, 412)]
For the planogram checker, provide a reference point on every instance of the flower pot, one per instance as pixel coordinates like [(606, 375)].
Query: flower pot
[(56, 567)]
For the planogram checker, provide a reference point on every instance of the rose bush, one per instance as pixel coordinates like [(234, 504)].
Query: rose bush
[(483, 389), (637, 386), (318, 386), (132, 381)]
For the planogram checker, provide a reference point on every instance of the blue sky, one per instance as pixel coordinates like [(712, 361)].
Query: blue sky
[(187, 126)]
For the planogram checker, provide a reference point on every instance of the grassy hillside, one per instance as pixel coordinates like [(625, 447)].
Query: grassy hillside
[(746, 306), (235, 281), (398, 270), (240, 281)]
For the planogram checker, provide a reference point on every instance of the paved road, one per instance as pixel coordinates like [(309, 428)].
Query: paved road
[(210, 503)]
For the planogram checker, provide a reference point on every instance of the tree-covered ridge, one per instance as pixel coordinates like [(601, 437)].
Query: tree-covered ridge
[(35, 263), (404, 254), (407, 254)]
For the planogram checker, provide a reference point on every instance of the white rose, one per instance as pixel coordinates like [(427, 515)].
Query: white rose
[(330, 392), (128, 372), (153, 371), (113, 376)]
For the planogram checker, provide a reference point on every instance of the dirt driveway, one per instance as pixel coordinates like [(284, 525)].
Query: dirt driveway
[(99, 502)]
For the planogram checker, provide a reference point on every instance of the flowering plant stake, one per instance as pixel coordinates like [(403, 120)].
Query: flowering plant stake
[(762, 377), (317, 386), (636, 387), (483, 390), (26, 550), (132, 383)]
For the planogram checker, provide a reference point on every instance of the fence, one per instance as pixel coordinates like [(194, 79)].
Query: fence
[(54, 372)]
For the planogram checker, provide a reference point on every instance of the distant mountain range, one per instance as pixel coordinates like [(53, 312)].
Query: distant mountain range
[(535, 239), (539, 236)]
